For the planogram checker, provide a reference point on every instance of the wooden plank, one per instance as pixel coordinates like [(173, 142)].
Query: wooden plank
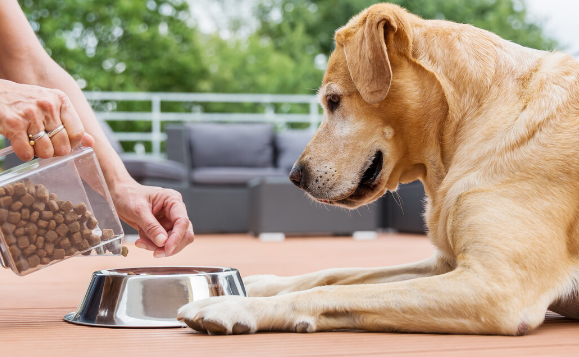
[(31, 308)]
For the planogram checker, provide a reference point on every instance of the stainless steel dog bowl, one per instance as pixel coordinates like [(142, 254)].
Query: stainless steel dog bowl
[(150, 296)]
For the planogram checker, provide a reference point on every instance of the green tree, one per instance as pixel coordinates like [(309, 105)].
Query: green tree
[(121, 44), (315, 22)]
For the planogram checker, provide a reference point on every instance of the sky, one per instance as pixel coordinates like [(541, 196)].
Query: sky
[(560, 20)]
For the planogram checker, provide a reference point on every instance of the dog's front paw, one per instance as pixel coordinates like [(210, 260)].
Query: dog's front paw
[(267, 285), (222, 315)]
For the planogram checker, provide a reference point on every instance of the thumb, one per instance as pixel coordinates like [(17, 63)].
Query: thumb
[(152, 228)]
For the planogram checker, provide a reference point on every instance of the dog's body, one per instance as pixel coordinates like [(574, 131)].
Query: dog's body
[(491, 129)]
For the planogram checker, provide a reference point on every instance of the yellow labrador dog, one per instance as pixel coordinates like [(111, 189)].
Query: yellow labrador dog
[(491, 129)]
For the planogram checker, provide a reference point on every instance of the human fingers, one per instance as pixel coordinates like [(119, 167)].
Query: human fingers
[(70, 119), (21, 146)]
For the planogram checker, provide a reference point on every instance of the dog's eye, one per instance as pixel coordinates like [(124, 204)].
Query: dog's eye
[(333, 101)]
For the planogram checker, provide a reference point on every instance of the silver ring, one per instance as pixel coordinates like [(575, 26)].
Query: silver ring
[(37, 136), (55, 131)]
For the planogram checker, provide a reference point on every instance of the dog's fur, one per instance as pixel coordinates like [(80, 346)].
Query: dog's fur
[(491, 129)]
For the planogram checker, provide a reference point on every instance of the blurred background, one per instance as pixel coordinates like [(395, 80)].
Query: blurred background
[(215, 98)]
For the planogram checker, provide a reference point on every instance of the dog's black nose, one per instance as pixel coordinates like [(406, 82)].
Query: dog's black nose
[(295, 175)]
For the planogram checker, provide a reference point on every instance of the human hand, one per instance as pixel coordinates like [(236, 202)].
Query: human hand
[(28, 109), (158, 214)]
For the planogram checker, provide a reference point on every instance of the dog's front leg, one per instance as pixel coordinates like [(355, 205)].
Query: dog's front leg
[(457, 302), (270, 285)]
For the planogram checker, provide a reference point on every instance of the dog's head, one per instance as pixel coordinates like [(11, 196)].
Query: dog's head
[(375, 100)]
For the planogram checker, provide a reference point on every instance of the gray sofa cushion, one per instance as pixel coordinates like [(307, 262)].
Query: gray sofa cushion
[(290, 145), (231, 145), (148, 168), (232, 175)]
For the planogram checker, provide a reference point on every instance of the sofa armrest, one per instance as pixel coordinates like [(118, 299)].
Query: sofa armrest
[(178, 145)]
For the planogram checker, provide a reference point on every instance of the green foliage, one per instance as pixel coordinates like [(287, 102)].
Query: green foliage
[(304, 29), (121, 45)]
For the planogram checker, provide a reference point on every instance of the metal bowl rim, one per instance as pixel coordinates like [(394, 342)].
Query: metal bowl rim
[(114, 272)]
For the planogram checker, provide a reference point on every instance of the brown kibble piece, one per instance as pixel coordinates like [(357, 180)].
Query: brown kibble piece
[(41, 232), (70, 217), (29, 250), (27, 199), (14, 250), (74, 227), (31, 228), (45, 260), (51, 236), (31, 189), (107, 234), (57, 241), (124, 251), (13, 217), (22, 265), (66, 206), (19, 232), (32, 238), (42, 194), (41, 253), (65, 243), (25, 213), (62, 229), (58, 254), (91, 223), (10, 239), (39, 242), (5, 201), (20, 224), (34, 216), (42, 224), (8, 228), (2, 191), (86, 233), (51, 225), (19, 189), (59, 218), (38, 206), (53, 197), (3, 214), (23, 242), (46, 215), (85, 216), (75, 238), (33, 261), (15, 206), (9, 189), (94, 240), (49, 248), (80, 208), (53, 206), (71, 251), (84, 245)]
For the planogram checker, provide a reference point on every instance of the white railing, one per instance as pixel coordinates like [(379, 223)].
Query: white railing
[(156, 116)]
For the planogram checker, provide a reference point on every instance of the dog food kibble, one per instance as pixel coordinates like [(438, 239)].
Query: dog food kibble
[(124, 251), (80, 208), (91, 223), (39, 229), (27, 200), (38, 206), (66, 206), (53, 206), (20, 189)]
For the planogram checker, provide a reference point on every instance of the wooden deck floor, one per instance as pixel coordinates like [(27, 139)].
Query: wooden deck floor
[(31, 308)]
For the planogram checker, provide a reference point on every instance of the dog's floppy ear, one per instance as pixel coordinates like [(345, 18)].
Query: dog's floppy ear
[(366, 54)]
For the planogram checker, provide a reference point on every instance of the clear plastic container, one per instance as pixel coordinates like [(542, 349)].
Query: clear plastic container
[(54, 209)]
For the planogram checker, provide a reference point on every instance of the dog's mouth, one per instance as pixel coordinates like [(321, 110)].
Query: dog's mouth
[(367, 184)]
